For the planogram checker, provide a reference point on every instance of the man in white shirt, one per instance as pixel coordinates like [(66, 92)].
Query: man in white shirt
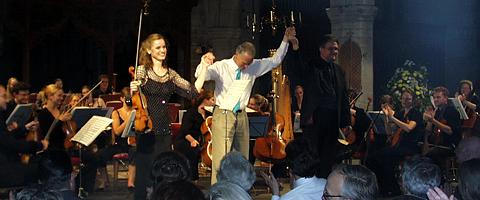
[(230, 124), (302, 165)]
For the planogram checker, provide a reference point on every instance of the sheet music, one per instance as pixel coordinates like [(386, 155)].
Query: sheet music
[(129, 125), (87, 134), (20, 114), (458, 105), (235, 91)]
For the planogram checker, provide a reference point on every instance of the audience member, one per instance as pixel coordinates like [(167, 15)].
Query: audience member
[(234, 178), (178, 190), (301, 164), (168, 167), (354, 182), (417, 176), (227, 191), (467, 149), (468, 183)]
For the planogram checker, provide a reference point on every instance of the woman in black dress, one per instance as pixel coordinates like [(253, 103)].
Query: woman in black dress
[(158, 82), (188, 140)]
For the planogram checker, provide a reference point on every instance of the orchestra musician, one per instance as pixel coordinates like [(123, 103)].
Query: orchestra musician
[(409, 127), (158, 82), (189, 139), (470, 100), (230, 125), (46, 117), (120, 119), (20, 92), (12, 171), (443, 128)]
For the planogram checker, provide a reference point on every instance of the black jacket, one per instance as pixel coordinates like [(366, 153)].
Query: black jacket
[(311, 76)]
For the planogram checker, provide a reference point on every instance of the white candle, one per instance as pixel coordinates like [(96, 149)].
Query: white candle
[(300, 17), (271, 15), (291, 17), (248, 20), (254, 18)]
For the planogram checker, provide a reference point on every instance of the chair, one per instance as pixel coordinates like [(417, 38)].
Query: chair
[(110, 97), (115, 104), (173, 109), (120, 159)]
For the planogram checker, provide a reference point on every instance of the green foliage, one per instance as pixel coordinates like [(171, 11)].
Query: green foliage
[(410, 77)]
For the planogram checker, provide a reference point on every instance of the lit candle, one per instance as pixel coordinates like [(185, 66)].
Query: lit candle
[(254, 18), (271, 15), (300, 17), (292, 19)]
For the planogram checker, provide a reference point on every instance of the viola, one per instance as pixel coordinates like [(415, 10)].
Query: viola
[(206, 152)]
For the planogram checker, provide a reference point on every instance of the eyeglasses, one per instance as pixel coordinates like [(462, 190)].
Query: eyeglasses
[(327, 195)]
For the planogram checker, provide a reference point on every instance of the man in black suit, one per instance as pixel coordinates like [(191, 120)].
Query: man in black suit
[(325, 107)]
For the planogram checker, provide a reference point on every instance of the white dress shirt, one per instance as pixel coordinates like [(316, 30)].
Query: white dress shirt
[(223, 73), (305, 189)]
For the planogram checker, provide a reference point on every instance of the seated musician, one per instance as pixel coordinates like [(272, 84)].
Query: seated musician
[(90, 101), (297, 109), (470, 100), (20, 92), (442, 129), (362, 122), (46, 117), (408, 126), (188, 141), (104, 87), (119, 145), (259, 103), (12, 171)]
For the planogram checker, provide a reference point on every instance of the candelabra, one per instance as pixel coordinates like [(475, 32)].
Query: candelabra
[(273, 20)]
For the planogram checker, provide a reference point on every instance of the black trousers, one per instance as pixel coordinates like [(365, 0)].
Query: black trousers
[(148, 147), (192, 154), (322, 136)]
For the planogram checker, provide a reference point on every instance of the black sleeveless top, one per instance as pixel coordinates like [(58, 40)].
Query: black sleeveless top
[(118, 138)]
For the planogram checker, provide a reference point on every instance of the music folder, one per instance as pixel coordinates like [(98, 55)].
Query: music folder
[(127, 131), (95, 125), (258, 125), (20, 114), (459, 107)]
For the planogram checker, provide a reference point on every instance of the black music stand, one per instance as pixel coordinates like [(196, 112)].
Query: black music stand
[(81, 115), (258, 125)]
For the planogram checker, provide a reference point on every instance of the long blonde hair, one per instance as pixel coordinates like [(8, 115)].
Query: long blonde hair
[(145, 59)]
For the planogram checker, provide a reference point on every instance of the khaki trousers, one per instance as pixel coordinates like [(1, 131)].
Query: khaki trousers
[(229, 132)]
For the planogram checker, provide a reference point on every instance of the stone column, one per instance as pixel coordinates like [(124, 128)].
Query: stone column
[(215, 23), (355, 19)]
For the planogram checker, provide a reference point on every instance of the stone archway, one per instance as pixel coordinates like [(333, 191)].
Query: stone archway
[(350, 58)]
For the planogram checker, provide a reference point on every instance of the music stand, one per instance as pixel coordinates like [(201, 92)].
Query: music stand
[(81, 115), (258, 125)]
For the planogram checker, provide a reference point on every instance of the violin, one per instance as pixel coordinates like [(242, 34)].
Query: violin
[(31, 135), (143, 122)]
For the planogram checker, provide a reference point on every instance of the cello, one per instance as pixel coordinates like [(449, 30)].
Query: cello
[(271, 147), (206, 150)]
